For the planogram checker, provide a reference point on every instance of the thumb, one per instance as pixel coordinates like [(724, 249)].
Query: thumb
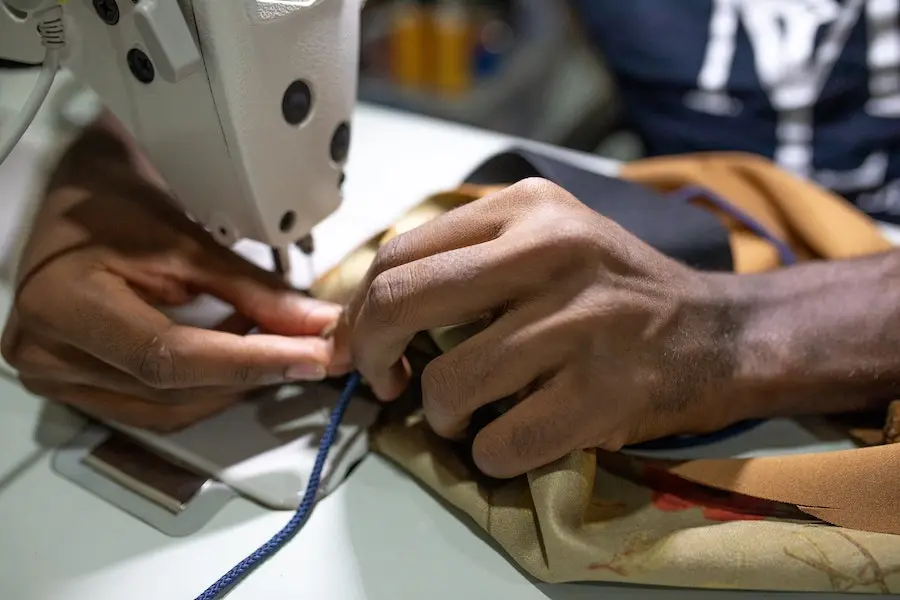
[(264, 298)]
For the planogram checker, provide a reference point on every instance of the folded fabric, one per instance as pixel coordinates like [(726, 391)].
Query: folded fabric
[(816, 522)]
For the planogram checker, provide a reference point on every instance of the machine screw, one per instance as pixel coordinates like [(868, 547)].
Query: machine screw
[(107, 10), (340, 143), (296, 104), (287, 221), (140, 65)]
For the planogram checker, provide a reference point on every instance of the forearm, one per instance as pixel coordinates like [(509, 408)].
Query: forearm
[(817, 338)]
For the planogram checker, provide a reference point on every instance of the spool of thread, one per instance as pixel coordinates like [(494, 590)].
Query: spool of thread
[(453, 47), (409, 27)]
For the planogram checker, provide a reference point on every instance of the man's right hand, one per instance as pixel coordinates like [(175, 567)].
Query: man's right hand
[(106, 252)]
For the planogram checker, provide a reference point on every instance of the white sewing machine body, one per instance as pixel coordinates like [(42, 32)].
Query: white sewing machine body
[(244, 107)]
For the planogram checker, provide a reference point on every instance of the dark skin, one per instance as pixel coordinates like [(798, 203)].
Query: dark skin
[(607, 342), (107, 251)]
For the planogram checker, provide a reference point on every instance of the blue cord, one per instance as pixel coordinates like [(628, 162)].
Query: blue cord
[(227, 582)]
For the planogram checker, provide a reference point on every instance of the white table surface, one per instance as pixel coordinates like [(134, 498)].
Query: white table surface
[(378, 537)]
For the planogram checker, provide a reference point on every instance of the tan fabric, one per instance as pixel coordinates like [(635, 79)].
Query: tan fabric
[(762, 523), (815, 223)]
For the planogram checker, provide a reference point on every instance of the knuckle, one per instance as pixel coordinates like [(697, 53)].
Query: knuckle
[(389, 295), (536, 189), (441, 398), (572, 234), (492, 454), (392, 254), (247, 375), (155, 364)]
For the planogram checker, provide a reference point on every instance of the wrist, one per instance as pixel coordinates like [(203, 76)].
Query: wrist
[(818, 338), (710, 343)]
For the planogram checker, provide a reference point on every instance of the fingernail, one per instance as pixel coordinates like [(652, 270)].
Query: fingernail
[(306, 373), (325, 312)]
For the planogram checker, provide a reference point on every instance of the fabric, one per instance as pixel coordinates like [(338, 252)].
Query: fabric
[(815, 522), (811, 84), (812, 223), (699, 239)]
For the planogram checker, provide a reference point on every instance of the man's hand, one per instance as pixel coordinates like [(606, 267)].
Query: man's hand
[(604, 341), (106, 252)]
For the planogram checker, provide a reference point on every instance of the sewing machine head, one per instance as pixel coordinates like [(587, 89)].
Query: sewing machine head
[(243, 106)]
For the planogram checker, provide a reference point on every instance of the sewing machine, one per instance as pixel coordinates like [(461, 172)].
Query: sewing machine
[(245, 109)]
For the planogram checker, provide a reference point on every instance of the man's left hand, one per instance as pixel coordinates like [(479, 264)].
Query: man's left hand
[(603, 341)]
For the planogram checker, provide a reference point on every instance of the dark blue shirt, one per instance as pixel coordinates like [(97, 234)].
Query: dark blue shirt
[(812, 84)]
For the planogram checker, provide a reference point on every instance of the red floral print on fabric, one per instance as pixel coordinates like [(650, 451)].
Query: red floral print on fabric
[(681, 494)]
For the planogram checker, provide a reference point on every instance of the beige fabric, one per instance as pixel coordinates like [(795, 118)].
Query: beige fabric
[(571, 521), (748, 524), (814, 222)]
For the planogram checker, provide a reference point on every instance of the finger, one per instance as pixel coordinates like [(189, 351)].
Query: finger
[(469, 225), (521, 347), (113, 324), (48, 360), (56, 364), (261, 296), (542, 428), (128, 410), (185, 357), (341, 362), (452, 288)]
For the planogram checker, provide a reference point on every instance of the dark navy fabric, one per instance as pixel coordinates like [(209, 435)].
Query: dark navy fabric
[(687, 233), (657, 48)]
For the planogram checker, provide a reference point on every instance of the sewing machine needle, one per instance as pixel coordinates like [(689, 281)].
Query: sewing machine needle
[(281, 258)]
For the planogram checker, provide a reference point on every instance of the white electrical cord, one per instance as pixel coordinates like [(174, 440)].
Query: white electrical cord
[(53, 37)]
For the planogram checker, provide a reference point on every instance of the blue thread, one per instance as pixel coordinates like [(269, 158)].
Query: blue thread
[(227, 582)]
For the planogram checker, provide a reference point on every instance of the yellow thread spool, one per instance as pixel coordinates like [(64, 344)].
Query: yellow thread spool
[(407, 44), (452, 48)]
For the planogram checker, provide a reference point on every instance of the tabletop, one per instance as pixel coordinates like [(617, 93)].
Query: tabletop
[(378, 536)]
